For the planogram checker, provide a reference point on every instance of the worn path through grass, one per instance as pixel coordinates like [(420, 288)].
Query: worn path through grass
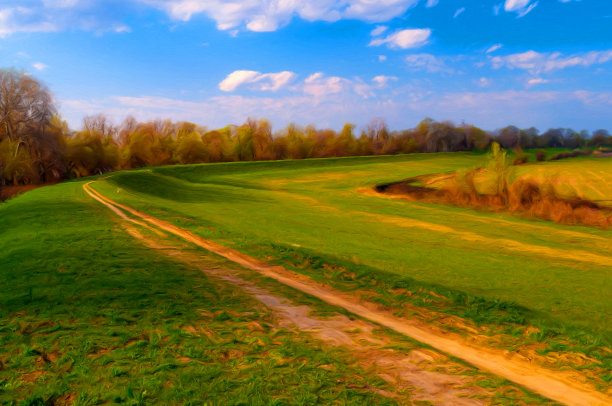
[(90, 316), (552, 384), (311, 208)]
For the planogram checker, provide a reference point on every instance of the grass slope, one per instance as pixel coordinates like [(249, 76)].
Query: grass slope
[(312, 209), (89, 316)]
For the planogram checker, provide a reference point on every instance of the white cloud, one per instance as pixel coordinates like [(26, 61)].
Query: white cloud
[(432, 3), (536, 62), (378, 30), (382, 58), (39, 66), (18, 19), (536, 81), (231, 15), (521, 7), (427, 62), (494, 48), (269, 15), (59, 15), (318, 85), (122, 29), (238, 78), (459, 12), (484, 82), (515, 5), (525, 11), (322, 87), (404, 39), (382, 80), (256, 81)]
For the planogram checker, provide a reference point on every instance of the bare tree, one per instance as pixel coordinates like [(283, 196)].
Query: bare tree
[(26, 112), (99, 125), (26, 105)]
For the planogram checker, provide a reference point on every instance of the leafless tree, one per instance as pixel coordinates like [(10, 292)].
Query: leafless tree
[(26, 106)]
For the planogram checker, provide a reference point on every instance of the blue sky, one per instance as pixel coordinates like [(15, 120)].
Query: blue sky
[(544, 63)]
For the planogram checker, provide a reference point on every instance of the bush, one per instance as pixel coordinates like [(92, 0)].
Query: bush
[(541, 156), (572, 154), (520, 160)]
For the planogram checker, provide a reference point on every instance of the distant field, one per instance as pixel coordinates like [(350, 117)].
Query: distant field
[(317, 208), (588, 178)]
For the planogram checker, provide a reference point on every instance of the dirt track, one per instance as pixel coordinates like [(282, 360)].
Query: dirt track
[(555, 385)]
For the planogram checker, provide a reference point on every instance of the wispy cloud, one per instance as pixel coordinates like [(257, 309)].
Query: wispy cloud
[(432, 3), (269, 15), (319, 85), (58, 15), (122, 29), (39, 66), (494, 48), (520, 7), (536, 81), (19, 19), (484, 82), (536, 62), (378, 30), (404, 39), (459, 12), (383, 81), (427, 62)]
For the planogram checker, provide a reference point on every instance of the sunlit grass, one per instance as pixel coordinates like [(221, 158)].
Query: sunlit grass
[(89, 316), (312, 216)]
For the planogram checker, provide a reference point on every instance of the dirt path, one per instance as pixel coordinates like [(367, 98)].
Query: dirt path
[(420, 373), (556, 385)]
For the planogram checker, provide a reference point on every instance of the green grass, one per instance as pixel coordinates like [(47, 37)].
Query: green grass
[(89, 315), (296, 211), (60, 247)]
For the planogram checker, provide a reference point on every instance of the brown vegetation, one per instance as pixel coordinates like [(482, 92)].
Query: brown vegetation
[(521, 196)]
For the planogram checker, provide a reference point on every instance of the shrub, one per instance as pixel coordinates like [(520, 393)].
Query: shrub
[(520, 160)]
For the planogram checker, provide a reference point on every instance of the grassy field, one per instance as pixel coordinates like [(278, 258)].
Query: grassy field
[(587, 178), (92, 310), (89, 316), (497, 270), (315, 208)]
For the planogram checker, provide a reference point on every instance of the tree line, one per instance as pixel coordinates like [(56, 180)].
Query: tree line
[(37, 146)]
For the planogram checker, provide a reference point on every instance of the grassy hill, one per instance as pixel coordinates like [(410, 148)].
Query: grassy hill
[(82, 292), (315, 208), (90, 316)]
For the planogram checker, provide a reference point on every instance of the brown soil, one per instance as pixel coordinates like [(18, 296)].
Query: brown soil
[(560, 386), (32, 376)]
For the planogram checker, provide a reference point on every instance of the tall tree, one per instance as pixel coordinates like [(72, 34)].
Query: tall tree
[(26, 112)]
